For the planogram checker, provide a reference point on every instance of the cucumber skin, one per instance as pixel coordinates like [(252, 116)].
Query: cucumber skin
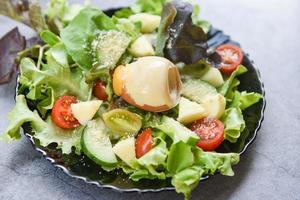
[(91, 156)]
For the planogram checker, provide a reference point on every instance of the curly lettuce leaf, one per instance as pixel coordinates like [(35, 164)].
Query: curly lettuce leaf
[(212, 162), (186, 180), (154, 6), (20, 115), (149, 164), (49, 37), (243, 100), (65, 139), (236, 102), (45, 131), (230, 85), (180, 157), (234, 124), (53, 80), (206, 163), (186, 42)]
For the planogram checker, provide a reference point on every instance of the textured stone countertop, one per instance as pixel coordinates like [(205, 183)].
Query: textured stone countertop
[(269, 32)]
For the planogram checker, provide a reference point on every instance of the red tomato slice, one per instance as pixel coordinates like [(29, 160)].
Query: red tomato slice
[(99, 91), (210, 131), (232, 57), (143, 143), (61, 113)]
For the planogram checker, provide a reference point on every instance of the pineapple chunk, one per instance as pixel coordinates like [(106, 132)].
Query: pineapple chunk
[(125, 150), (214, 106), (85, 111), (190, 111)]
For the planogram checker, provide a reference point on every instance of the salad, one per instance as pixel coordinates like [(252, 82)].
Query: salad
[(139, 91)]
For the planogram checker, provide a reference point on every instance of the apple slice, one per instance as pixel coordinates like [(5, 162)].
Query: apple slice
[(125, 150), (85, 111), (214, 105), (190, 111)]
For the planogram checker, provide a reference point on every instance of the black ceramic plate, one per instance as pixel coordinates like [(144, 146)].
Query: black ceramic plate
[(83, 168)]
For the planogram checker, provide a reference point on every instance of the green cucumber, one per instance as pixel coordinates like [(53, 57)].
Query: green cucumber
[(96, 144), (197, 90)]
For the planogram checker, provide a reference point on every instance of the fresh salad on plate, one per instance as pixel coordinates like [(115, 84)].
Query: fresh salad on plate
[(139, 91)]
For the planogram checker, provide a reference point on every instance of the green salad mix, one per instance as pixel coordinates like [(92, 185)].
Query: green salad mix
[(137, 91)]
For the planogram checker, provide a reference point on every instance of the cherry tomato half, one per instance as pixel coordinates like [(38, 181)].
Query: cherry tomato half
[(232, 57), (99, 91), (61, 113), (143, 143), (210, 131)]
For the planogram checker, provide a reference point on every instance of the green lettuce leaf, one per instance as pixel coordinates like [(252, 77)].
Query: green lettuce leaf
[(20, 115), (81, 31), (186, 180), (212, 162), (231, 83), (234, 124), (53, 80), (149, 164), (49, 37), (45, 131), (154, 6), (205, 163), (236, 102), (244, 99), (180, 157)]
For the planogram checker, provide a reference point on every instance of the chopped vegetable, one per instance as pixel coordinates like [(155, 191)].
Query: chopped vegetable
[(123, 122), (232, 57), (99, 91), (62, 114), (210, 131), (143, 143)]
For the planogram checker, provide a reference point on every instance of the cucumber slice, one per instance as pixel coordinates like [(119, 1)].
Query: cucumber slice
[(123, 122), (96, 144), (197, 90)]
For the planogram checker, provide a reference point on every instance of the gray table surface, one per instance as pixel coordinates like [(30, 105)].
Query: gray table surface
[(269, 31)]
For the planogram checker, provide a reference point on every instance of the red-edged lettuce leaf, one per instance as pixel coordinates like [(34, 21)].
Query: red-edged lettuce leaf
[(183, 41), (10, 45), (28, 12)]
